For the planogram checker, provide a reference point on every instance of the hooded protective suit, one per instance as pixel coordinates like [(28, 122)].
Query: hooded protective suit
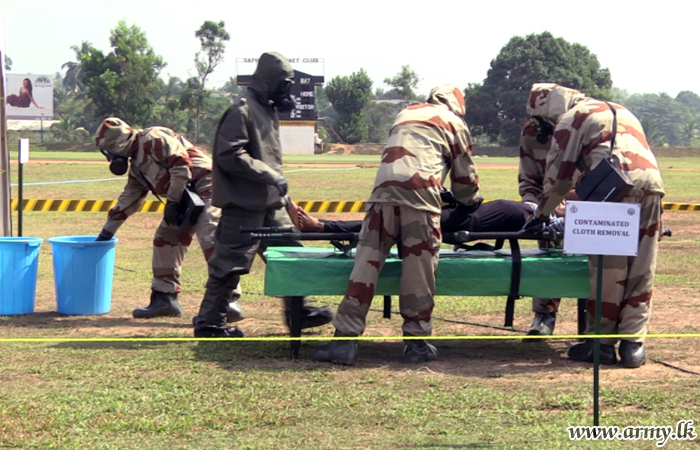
[(247, 175), (426, 141), (162, 162), (581, 140), (247, 152)]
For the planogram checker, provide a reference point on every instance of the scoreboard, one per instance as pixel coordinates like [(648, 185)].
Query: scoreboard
[(303, 92)]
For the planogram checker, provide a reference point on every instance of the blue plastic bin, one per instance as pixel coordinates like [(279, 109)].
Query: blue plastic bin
[(83, 272), (19, 261)]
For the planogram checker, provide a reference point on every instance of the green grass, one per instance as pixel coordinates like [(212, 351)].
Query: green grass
[(249, 395)]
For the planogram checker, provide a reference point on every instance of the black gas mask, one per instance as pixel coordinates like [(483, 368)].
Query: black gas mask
[(118, 164), (282, 96), (545, 130)]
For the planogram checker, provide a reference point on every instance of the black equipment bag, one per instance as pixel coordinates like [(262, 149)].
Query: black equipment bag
[(606, 182), (191, 206)]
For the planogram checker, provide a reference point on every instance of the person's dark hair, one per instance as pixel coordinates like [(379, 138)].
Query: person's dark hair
[(29, 86)]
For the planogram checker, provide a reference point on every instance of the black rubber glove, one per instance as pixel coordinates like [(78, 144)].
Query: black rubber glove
[(535, 225), (172, 213), (447, 196), (282, 186), (104, 235)]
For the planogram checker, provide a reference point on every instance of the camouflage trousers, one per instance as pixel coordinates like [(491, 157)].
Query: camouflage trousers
[(171, 244), (627, 281), (419, 236)]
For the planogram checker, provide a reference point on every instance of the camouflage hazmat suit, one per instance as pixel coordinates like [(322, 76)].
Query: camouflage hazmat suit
[(404, 208), (162, 162), (533, 159), (247, 175), (581, 140)]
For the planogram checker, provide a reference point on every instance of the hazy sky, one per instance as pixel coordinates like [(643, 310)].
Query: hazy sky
[(650, 48)]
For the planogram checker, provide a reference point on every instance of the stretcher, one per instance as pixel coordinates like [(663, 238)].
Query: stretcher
[(512, 273)]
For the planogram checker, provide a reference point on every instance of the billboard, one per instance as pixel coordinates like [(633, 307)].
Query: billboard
[(29, 96)]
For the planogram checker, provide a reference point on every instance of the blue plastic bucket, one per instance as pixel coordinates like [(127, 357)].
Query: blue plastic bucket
[(83, 270), (19, 261)]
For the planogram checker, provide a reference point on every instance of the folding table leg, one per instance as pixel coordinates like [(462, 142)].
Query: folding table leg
[(295, 326), (510, 311), (387, 306), (582, 315)]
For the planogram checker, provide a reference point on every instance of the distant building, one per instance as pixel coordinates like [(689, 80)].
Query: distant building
[(30, 125)]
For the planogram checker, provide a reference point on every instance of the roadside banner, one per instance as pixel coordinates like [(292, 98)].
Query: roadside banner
[(29, 96), (5, 217)]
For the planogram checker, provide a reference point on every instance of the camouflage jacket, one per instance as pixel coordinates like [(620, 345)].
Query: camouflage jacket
[(582, 139), (426, 141), (533, 158), (162, 162)]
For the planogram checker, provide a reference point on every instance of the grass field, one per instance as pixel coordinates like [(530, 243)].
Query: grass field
[(500, 394)]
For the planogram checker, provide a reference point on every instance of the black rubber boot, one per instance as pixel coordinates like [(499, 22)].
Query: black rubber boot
[(542, 325), (213, 331), (632, 354), (584, 352), (163, 304), (418, 351), (337, 352), (311, 316)]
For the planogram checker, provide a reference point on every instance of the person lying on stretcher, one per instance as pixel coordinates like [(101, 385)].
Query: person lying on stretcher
[(496, 215)]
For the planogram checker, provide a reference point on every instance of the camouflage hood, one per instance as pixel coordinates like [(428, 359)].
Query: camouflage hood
[(272, 68), (549, 101), (116, 136), (450, 96)]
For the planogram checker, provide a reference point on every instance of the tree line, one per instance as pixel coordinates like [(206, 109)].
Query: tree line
[(126, 82)]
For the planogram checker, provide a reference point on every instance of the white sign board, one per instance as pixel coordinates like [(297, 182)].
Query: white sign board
[(29, 96), (601, 228), (23, 151), (307, 64)]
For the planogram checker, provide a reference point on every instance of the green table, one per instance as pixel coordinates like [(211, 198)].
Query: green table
[(302, 271)]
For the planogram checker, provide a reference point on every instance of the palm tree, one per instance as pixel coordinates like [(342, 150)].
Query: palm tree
[(654, 136), (72, 81), (689, 130), (66, 131)]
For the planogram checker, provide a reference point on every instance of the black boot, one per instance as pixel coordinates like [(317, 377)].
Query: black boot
[(542, 325), (632, 354), (584, 352), (163, 304), (417, 351), (311, 316), (213, 331), (337, 352)]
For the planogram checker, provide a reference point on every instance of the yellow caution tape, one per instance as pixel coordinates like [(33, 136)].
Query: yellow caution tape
[(681, 207), (155, 206)]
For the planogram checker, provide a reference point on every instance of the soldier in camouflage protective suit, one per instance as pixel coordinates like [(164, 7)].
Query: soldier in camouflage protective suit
[(249, 187), (162, 162), (425, 142), (535, 142), (581, 140)]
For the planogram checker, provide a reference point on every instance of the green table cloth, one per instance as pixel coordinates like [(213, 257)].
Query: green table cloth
[(301, 271)]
